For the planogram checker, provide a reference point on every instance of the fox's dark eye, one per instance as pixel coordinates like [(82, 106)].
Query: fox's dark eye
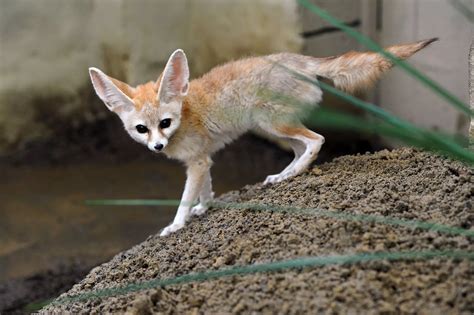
[(141, 128), (165, 123)]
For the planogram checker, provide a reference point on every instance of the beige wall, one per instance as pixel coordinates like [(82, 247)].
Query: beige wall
[(445, 61), (48, 45), (330, 43)]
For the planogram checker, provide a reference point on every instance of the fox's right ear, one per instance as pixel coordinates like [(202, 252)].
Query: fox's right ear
[(175, 79), (111, 91)]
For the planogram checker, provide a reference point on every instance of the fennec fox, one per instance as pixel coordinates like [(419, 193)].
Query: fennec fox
[(190, 121)]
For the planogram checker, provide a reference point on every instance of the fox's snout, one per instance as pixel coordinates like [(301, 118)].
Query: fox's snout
[(157, 141), (156, 146)]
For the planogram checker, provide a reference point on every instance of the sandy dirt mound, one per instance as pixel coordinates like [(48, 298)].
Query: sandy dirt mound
[(403, 184)]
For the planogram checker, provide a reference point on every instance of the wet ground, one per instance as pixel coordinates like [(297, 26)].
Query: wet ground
[(404, 184)]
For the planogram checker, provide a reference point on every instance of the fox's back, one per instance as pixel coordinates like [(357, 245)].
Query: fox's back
[(350, 72), (250, 76)]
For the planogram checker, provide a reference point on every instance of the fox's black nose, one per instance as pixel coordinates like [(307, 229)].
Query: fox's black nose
[(159, 147)]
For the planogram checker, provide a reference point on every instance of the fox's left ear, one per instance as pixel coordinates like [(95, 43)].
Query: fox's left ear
[(175, 80)]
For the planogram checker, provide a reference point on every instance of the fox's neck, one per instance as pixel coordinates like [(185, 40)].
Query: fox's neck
[(192, 137), (192, 112)]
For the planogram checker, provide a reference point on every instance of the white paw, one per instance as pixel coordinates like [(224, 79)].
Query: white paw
[(171, 229), (271, 179), (198, 210)]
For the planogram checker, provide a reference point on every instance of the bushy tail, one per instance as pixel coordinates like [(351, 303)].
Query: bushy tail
[(355, 71)]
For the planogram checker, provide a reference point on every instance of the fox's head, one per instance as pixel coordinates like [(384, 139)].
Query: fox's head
[(151, 112)]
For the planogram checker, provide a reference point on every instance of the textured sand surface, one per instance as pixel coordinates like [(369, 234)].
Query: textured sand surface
[(403, 184)]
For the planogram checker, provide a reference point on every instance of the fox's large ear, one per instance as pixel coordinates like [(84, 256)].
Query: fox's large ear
[(111, 91), (175, 80)]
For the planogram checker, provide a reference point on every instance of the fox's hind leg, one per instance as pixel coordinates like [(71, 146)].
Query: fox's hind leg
[(306, 145), (298, 149)]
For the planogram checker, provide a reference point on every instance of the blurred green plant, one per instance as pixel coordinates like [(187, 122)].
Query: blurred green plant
[(385, 124), (133, 202)]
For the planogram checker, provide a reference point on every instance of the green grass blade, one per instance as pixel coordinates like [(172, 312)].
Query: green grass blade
[(277, 266), (341, 215), (434, 141), (133, 202)]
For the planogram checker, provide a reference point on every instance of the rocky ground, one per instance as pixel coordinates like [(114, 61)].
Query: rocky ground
[(403, 184)]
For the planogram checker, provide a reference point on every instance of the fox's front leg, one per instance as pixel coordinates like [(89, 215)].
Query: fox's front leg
[(196, 175), (206, 195)]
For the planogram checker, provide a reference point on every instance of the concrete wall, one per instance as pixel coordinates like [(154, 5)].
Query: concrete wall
[(47, 47)]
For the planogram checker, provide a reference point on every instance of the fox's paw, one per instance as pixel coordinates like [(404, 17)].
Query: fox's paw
[(198, 210), (171, 229), (272, 179)]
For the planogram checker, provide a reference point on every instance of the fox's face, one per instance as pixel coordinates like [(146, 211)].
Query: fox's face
[(151, 113)]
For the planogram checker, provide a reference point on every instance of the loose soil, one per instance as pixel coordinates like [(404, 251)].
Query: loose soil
[(403, 183)]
